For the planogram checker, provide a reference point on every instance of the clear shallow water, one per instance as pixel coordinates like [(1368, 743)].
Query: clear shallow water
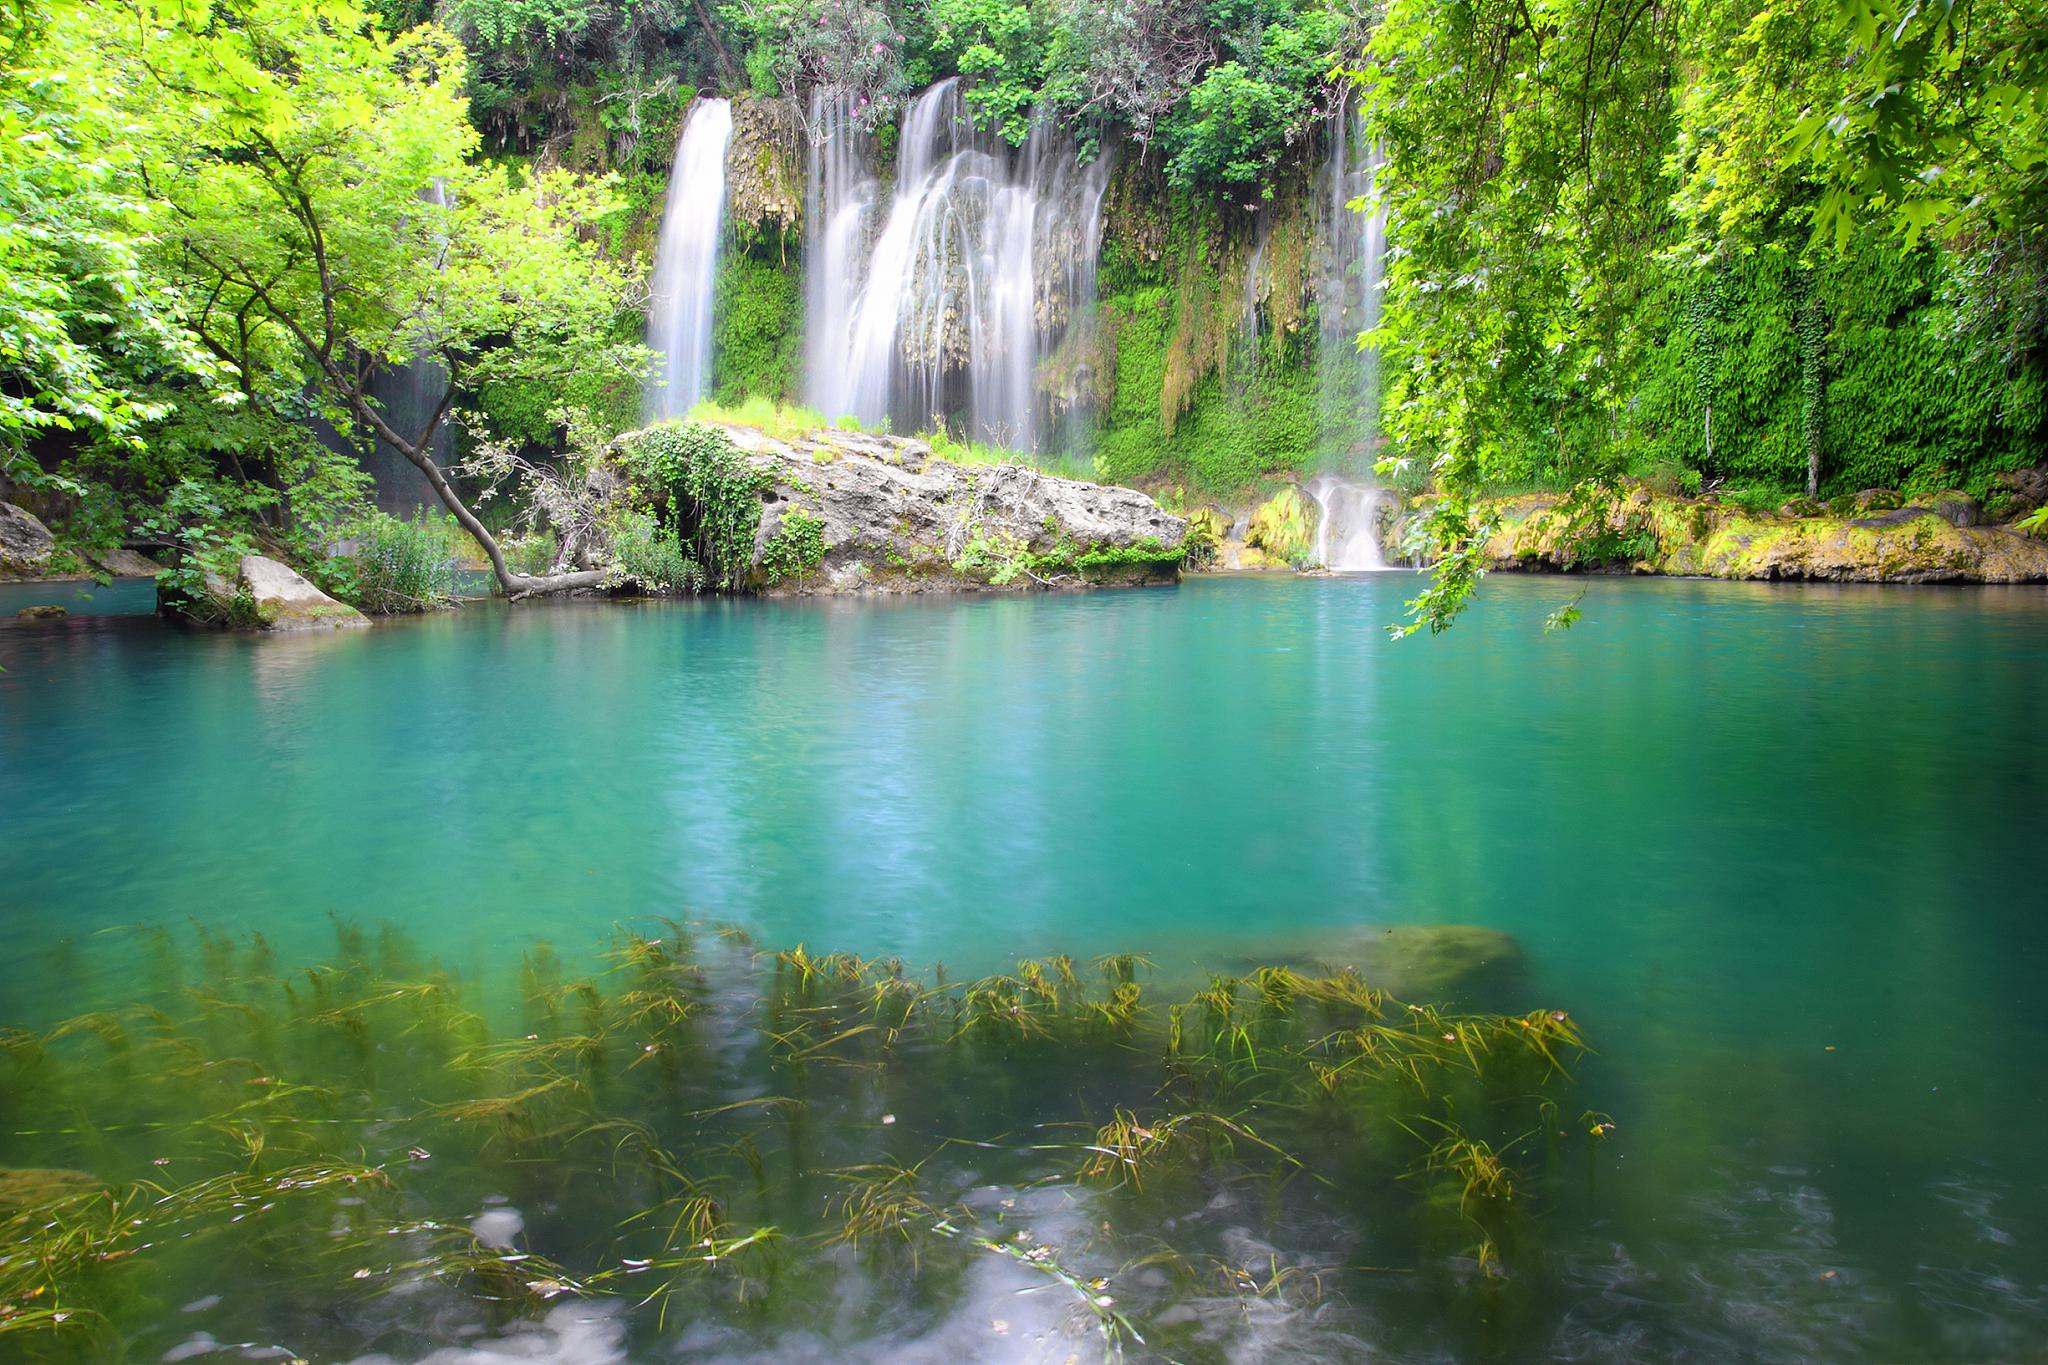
[(1731, 826)]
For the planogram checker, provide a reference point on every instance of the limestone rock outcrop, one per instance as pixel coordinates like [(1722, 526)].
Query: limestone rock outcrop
[(897, 518)]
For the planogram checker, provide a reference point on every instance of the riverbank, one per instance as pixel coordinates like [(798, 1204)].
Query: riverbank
[(1876, 536)]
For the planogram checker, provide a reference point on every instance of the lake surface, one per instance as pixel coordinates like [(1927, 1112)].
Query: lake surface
[(1777, 848)]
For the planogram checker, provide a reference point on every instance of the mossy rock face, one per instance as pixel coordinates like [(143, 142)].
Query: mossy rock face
[(28, 1187), (1283, 527), (1915, 544), (764, 166)]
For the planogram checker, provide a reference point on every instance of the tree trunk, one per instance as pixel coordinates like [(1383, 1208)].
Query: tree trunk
[(515, 585)]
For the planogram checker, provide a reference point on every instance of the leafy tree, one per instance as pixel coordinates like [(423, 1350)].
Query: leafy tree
[(83, 321), (1130, 60), (290, 146), (1000, 46)]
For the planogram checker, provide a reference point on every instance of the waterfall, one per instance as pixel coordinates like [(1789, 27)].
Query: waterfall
[(686, 262), (936, 300), (1348, 531), (1351, 252)]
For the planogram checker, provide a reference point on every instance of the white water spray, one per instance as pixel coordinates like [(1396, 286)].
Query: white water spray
[(686, 262), (1351, 267), (1348, 531), (937, 300)]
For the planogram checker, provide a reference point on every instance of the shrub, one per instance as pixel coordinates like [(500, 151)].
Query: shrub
[(395, 567), (796, 549), (645, 554)]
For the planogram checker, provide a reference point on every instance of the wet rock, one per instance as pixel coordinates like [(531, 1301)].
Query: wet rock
[(2024, 489), (42, 613), (25, 543), (898, 519), (1283, 528), (265, 595), (28, 1187), (1957, 508)]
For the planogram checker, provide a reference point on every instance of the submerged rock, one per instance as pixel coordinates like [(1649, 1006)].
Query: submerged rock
[(42, 613), (25, 543), (1467, 965), (265, 595), (885, 514), (29, 1187)]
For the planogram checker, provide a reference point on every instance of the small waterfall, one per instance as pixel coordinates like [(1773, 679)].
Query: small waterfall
[(936, 300), (686, 263), (1348, 532), (1351, 251)]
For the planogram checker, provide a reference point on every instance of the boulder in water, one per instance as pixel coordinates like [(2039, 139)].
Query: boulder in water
[(46, 612), (265, 595)]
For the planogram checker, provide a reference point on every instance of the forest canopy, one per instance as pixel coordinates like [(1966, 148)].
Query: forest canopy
[(1779, 245)]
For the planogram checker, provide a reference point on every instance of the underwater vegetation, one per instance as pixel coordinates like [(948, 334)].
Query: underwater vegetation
[(713, 1142)]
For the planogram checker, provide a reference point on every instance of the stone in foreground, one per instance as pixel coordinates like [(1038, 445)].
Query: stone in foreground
[(267, 596)]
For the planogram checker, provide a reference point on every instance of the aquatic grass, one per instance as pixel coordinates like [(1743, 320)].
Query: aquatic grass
[(697, 1120)]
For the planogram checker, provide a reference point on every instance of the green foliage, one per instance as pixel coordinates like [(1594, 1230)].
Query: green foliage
[(853, 47), (783, 421), (83, 319), (207, 543), (756, 329), (713, 493), (394, 566), (648, 554), (1000, 47), (1449, 534), (796, 549)]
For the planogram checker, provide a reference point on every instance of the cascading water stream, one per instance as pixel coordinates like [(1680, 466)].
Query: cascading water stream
[(1351, 262), (1348, 531), (686, 262), (936, 301), (1351, 250)]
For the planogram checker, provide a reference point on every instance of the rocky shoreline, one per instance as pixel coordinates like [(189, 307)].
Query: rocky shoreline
[(1875, 536)]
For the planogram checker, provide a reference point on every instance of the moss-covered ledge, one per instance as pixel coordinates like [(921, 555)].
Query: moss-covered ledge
[(1636, 529)]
